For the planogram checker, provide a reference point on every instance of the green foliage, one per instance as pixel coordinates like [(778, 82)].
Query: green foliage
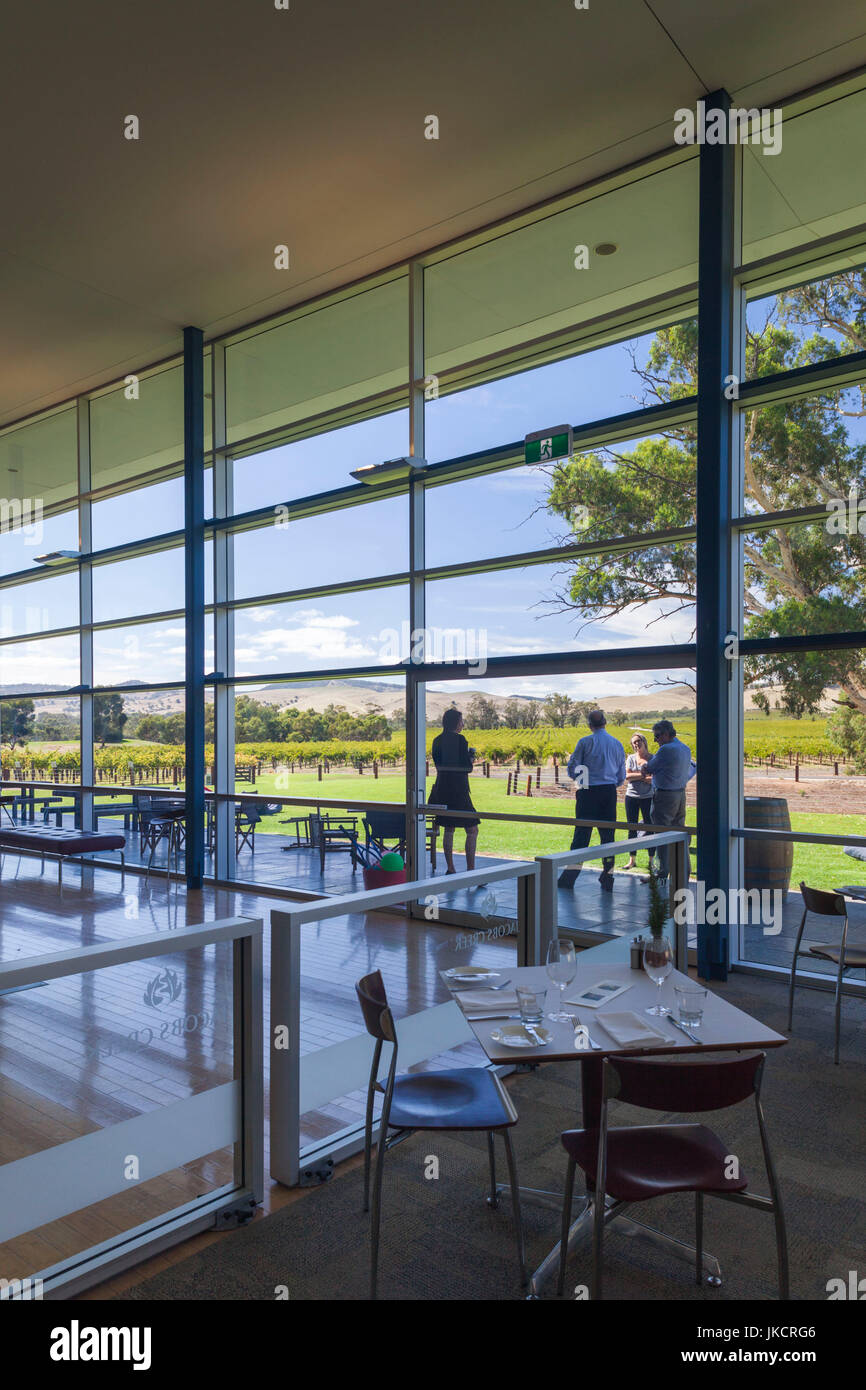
[(847, 729), (16, 721), (108, 718), (657, 910), (797, 451)]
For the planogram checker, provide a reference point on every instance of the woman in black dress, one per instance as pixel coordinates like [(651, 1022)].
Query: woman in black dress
[(453, 759)]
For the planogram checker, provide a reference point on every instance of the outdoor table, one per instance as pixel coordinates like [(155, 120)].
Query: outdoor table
[(302, 837), (853, 890), (724, 1028)]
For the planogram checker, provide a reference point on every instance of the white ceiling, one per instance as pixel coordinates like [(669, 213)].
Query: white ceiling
[(306, 127)]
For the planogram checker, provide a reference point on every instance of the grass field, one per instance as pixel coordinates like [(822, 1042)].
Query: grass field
[(822, 866)]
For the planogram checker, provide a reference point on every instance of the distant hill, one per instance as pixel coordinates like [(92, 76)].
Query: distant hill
[(360, 696)]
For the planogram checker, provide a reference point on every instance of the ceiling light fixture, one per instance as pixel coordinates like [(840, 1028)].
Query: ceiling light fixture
[(606, 248)]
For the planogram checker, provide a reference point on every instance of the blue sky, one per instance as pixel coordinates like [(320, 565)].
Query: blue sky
[(503, 612)]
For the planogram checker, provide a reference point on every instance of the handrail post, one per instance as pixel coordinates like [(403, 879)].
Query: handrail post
[(285, 1050), (528, 938), (679, 884), (548, 906)]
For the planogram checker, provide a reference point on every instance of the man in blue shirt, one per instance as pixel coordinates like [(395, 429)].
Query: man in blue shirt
[(670, 768), (598, 766)]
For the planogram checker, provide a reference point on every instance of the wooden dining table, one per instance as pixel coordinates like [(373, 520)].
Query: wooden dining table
[(724, 1028)]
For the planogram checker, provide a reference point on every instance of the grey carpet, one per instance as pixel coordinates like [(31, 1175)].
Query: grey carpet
[(441, 1241)]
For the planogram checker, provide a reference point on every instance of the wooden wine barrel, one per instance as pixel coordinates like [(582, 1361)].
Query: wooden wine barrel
[(767, 863)]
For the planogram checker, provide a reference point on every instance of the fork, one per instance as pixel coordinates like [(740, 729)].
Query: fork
[(576, 1023)]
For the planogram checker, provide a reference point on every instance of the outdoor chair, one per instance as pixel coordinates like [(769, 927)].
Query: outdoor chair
[(381, 826), (640, 1162), (472, 1098), (826, 904), (155, 826), (334, 834)]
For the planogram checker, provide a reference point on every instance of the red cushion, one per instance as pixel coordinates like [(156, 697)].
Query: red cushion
[(649, 1160)]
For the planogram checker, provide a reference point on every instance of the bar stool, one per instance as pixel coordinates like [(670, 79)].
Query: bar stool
[(636, 1163), (472, 1098), (826, 904)]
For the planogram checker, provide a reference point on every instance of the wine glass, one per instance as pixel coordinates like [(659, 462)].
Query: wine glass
[(561, 969), (658, 962)]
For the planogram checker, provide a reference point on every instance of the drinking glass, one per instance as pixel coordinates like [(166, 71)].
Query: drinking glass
[(530, 1003), (690, 1001), (658, 962), (561, 969)]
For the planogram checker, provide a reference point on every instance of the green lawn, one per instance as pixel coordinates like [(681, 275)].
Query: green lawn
[(822, 866)]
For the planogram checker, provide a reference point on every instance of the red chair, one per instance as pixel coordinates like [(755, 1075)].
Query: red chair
[(471, 1098), (639, 1162)]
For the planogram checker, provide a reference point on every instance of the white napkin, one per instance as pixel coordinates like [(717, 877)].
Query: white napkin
[(630, 1030), (487, 1003)]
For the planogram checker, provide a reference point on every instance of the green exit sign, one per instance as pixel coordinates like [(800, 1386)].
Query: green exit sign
[(546, 445)]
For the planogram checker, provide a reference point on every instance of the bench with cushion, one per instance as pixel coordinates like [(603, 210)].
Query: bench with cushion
[(49, 839)]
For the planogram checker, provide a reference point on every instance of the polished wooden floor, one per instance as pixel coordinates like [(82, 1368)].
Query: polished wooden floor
[(85, 1052)]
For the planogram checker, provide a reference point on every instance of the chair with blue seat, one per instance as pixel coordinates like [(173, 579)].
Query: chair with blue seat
[(471, 1098), (382, 826), (639, 1162)]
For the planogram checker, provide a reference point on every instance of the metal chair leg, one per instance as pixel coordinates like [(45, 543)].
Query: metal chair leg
[(515, 1202), (493, 1199), (597, 1242), (567, 1202), (699, 1237), (377, 1211), (794, 970), (839, 1004)]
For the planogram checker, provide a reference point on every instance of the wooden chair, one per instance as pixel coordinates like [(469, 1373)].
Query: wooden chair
[(637, 1163)]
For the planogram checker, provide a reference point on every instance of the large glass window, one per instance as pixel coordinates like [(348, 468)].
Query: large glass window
[(352, 629), (536, 280), (353, 543), (318, 464), (784, 204), (39, 606), (318, 360), (47, 663), (132, 516), (39, 462)]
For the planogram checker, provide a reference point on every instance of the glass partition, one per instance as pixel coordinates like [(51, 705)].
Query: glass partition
[(133, 1104)]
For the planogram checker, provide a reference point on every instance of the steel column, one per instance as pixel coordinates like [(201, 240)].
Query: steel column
[(416, 721), (193, 480), (84, 817), (714, 510)]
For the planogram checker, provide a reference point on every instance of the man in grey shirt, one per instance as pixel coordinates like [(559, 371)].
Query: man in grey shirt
[(670, 768)]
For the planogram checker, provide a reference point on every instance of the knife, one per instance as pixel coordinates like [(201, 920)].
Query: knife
[(529, 1029), (683, 1029)]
